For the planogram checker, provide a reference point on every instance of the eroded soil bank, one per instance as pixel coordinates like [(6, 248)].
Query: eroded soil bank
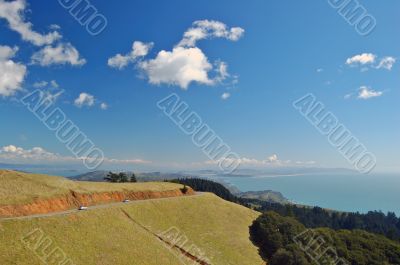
[(73, 200)]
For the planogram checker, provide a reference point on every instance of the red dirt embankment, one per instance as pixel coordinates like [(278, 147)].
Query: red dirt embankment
[(73, 200)]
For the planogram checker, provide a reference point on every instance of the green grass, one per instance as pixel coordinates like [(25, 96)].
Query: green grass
[(20, 188), (220, 229)]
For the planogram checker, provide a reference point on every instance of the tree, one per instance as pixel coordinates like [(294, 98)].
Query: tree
[(133, 178), (123, 177), (112, 177), (184, 189), (116, 178)]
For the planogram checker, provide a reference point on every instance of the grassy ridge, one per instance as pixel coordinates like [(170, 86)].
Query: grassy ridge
[(107, 236), (19, 188)]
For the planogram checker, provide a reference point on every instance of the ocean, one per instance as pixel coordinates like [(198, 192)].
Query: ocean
[(349, 192)]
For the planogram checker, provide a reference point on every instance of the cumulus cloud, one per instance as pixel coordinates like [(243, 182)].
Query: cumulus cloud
[(181, 66), (386, 63), (12, 74), (12, 153), (13, 12), (367, 93), (84, 99), (185, 63), (361, 59), (225, 96), (139, 49), (207, 29), (63, 53)]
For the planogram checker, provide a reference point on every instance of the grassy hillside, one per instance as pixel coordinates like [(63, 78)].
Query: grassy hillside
[(19, 188), (127, 234)]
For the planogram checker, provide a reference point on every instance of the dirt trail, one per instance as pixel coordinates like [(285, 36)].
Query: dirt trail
[(180, 249)]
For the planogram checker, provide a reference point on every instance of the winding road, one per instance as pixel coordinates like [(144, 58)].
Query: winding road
[(94, 207)]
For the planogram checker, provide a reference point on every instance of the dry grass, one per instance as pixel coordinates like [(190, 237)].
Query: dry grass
[(19, 188), (107, 236)]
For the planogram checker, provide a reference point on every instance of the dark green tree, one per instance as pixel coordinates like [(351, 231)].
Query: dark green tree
[(133, 178), (123, 177), (112, 177)]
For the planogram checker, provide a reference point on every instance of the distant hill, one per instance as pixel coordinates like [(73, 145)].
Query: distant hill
[(274, 171), (99, 176), (267, 196)]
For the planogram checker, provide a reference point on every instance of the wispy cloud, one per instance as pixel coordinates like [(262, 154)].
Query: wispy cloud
[(63, 53), (52, 53), (368, 93), (139, 49), (270, 161), (14, 154), (13, 12), (386, 63)]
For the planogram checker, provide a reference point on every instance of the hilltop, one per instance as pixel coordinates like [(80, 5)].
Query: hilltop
[(25, 194), (202, 229)]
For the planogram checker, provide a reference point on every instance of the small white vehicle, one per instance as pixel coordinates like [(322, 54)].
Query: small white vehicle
[(82, 208), (125, 201)]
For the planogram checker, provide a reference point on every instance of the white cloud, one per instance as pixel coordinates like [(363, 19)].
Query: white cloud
[(54, 84), (273, 158), (185, 63), (181, 66), (225, 96), (127, 161), (271, 161), (54, 27), (139, 49), (206, 29), (386, 63), (40, 84), (348, 96), (104, 106), (7, 52), (13, 12), (367, 93), (12, 74), (361, 59), (43, 83), (222, 71), (320, 70), (63, 53), (84, 99), (12, 153)]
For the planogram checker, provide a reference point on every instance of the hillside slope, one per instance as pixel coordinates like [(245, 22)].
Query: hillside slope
[(170, 229), (206, 227), (27, 194)]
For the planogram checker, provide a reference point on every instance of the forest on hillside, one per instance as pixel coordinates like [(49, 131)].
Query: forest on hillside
[(285, 241)]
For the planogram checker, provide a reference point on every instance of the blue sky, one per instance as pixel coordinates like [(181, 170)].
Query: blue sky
[(277, 52)]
